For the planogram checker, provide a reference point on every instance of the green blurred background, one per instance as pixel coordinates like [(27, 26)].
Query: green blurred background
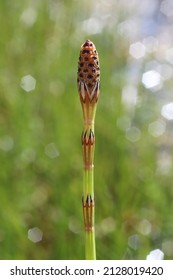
[(41, 123)]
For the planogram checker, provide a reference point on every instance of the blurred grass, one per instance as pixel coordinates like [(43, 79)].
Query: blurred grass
[(39, 191)]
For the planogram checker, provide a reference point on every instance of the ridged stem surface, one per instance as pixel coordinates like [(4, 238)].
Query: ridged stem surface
[(89, 90)]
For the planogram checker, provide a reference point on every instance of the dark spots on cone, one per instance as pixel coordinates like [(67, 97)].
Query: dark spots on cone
[(85, 51), (87, 43), (90, 64), (89, 76)]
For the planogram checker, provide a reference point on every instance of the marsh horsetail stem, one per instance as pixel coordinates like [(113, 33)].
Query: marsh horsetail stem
[(88, 81)]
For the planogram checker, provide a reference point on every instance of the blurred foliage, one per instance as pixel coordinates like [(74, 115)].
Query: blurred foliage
[(40, 149)]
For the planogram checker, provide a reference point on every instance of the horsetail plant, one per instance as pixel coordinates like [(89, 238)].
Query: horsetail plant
[(89, 89)]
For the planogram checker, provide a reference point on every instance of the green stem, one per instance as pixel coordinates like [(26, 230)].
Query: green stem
[(90, 250), (89, 90), (90, 247)]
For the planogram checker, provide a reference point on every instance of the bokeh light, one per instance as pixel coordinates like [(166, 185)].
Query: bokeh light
[(156, 254), (51, 150), (28, 83), (35, 234), (157, 128), (151, 79), (133, 134), (137, 50), (167, 111)]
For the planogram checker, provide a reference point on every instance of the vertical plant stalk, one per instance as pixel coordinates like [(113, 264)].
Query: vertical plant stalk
[(89, 89)]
